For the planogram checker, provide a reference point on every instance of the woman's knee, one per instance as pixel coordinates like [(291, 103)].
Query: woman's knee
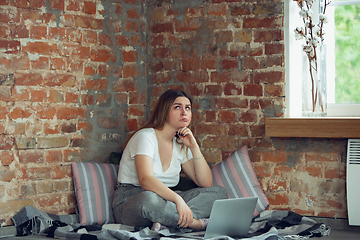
[(220, 192), (150, 199)]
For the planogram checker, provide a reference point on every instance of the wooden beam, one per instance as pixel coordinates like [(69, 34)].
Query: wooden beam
[(313, 127)]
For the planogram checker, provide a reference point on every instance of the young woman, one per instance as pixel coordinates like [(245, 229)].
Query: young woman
[(151, 165)]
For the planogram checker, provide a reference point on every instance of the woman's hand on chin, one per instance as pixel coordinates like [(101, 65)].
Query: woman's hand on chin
[(187, 137)]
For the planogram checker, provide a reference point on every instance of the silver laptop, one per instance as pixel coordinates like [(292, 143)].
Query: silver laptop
[(229, 217)]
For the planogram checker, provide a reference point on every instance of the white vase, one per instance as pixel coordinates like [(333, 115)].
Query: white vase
[(314, 102)]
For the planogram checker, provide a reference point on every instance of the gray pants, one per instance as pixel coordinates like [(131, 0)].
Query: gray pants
[(135, 207)]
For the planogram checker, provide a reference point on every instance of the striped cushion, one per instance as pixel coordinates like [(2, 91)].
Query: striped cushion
[(237, 176), (94, 189)]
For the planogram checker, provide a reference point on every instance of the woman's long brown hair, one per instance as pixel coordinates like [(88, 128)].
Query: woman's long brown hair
[(161, 112)]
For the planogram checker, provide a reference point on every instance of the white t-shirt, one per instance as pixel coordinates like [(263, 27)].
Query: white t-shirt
[(144, 142)]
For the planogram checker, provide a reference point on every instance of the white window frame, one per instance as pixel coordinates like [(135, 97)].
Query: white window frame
[(296, 66)]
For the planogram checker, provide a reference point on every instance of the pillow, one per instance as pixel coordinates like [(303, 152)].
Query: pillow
[(94, 189), (237, 176)]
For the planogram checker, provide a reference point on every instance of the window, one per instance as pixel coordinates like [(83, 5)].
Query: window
[(342, 40)]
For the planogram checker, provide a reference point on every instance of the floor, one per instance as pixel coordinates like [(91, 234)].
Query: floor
[(334, 235)]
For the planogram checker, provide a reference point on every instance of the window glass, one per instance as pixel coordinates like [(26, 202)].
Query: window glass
[(347, 52)]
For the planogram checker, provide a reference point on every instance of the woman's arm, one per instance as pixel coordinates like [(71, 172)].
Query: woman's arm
[(148, 182), (196, 168)]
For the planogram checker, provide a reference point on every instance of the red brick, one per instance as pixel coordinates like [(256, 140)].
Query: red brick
[(132, 13), (136, 110), (238, 130), (226, 76), (10, 47), (335, 173), (226, 103), (40, 48), (273, 22), (57, 64), (131, 71), (99, 84), (65, 80), (269, 77), (210, 116), (51, 128), (31, 156), (6, 142), (223, 37), (4, 111), (53, 156), (6, 174), (278, 199), (268, 35), (74, 35), (10, 15), (70, 113), (232, 89), (130, 56), (161, 52), (274, 48), (275, 156), (89, 7), (274, 90), (73, 5), (47, 113), (31, 79), (38, 32), (87, 99), (215, 90), (125, 86), (21, 63), (131, 26), (262, 171), (56, 5), (194, 77), (190, 64), (217, 10), (218, 142), (61, 172), (253, 90), (84, 126), (38, 96), (227, 116), (187, 25), (248, 116), (162, 27), (102, 55), (7, 157), (104, 39), (241, 10), (40, 63), (230, 64), (19, 31), (280, 170), (19, 3), (37, 3), (88, 22), (158, 40), (250, 63), (314, 171), (277, 185), (131, 124), (90, 36), (213, 129), (37, 17), (122, 41)]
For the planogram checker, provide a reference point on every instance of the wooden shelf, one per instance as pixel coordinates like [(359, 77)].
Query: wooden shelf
[(313, 127)]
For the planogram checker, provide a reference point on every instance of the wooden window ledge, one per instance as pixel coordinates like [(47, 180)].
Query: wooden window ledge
[(313, 127)]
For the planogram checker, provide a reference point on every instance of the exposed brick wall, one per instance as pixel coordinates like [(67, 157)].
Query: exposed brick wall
[(230, 56), (72, 83), (76, 76)]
